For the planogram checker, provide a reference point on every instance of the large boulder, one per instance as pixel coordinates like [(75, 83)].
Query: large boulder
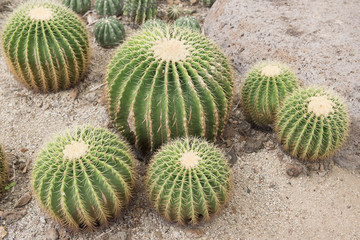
[(319, 39)]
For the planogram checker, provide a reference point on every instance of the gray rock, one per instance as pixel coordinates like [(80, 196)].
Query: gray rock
[(51, 234)]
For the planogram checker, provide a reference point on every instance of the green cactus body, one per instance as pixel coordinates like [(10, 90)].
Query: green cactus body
[(188, 22), (84, 178), (188, 180), (140, 10), (167, 83), (265, 87), (208, 3), (4, 170), (109, 7), (78, 6), (153, 23), (109, 32), (174, 12), (312, 124), (46, 46)]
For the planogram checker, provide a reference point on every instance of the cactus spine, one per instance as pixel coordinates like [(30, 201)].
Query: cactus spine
[(174, 12), (167, 83), (84, 178), (78, 6), (109, 7), (188, 180), (109, 32), (46, 46), (265, 87), (312, 124), (140, 10), (188, 22), (4, 170)]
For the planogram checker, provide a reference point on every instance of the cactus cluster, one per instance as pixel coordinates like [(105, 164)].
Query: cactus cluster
[(109, 32), (265, 87), (140, 10), (208, 3), (153, 23), (167, 83), (109, 7), (174, 12), (4, 170), (78, 6), (188, 180), (188, 22), (46, 46), (312, 124), (84, 178)]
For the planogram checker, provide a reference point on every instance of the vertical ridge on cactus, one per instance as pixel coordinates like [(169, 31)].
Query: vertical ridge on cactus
[(174, 12), (46, 46), (188, 180), (78, 6), (84, 178), (264, 89), (4, 170), (109, 7), (312, 124), (188, 22), (167, 83), (140, 10), (109, 32)]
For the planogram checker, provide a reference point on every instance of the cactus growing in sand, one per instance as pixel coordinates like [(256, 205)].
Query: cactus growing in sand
[(4, 170), (312, 124), (174, 12), (168, 83), (140, 10), (84, 178), (109, 7), (208, 3), (188, 22), (153, 23), (78, 6), (109, 32), (188, 180), (265, 87), (46, 46)]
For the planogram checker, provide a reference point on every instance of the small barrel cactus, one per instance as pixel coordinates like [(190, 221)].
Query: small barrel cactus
[(188, 181), (78, 6), (109, 7), (265, 87), (174, 12), (312, 124), (188, 22), (84, 178), (169, 83), (153, 23), (140, 10), (46, 46), (109, 32), (4, 170), (208, 3)]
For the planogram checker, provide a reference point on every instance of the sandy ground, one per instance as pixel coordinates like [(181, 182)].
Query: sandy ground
[(266, 203)]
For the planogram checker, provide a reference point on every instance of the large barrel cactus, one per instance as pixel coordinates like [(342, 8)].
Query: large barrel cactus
[(4, 170), (46, 46), (140, 10), (166, 83), (188, 181), (84, 178), (109, 32), (109, 7), (78, 6), (312, 124)]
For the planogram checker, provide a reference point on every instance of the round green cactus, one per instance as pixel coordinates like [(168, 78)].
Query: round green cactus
[(109, 32), (188, 181), (208, 3), (140, 10), (153, 23), (174, 12), (46, 46), (167, 83), (4, 170), (265, 87), (109, 7), (188, 22), (84, 178), (78, 6), (312, 124)]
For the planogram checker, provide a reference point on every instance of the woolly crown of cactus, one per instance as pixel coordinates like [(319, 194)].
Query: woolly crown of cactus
[(84, 178), (312, 124), (166, 83), (46, 46), (188, 180)]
